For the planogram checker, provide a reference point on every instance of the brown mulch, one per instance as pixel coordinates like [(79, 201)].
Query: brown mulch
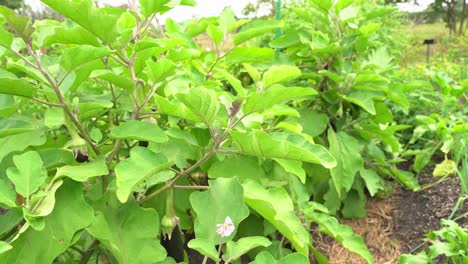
[(377, 229)]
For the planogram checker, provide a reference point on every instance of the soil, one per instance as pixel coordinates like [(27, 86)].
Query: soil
[(420, 212)]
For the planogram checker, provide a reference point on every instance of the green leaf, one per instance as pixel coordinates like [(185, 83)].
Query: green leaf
[(312, 122), (129, 232), (4, 246), (281, 73), (420, 258), (342, 233), (203, 102), (374, 182), (225, 198), (294, 167), (17, 87), (142, 164), (175, 109), (265, 257), (345, 149), (255, 29), (29, 174), (20, 141), (149, 7), (48, 203), (406, 178), (364, 99), (10, 220), (75, 35), (54, 118), (139, 130), (227, 20), (98, 21), (7, 193), (205, 247), (259, 143), (276, 207), (233, 81), (445, 168), (242, 167), (85, 171), (254, 74), (6, 38), (78, 56), (235, 250), (160, 70), (215, 33), (20, 24), (250, 54), (259, 102), (114, 78), (12, 126), (44, 246)]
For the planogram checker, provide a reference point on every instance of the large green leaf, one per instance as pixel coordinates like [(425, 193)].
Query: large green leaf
[(97, 21), (29, 174), (265, 257), (44, 246), (364, 99), (203, 102), (242, 167), (85, 171), (160, 70), (142, 164), (225, 198), (129, 232), (12, 126), (4, 246), (346, 150), (205, 247), (20, 141), (10, 220), (276, 206), (20, 24), (256, 29), (75, 35), (7, 193), (17, 87), (140, 130), (258, 102), (250, 54), (259, 143), (281, 73), (235, 250), (374, 182), (294, 167), (75, 57), (6, 38), (175, 109), (114, 78), (342, 233)]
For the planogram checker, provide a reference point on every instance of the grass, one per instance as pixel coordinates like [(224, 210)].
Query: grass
[(446, 47)]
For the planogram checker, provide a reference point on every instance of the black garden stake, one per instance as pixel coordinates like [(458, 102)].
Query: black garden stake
[(428, 42)]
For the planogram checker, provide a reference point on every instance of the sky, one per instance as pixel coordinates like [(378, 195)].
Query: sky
[(207, 8)]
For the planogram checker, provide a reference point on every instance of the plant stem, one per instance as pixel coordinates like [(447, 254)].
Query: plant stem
[(88, 253), (171, 183)]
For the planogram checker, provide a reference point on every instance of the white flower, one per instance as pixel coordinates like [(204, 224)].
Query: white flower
[(225, 229)]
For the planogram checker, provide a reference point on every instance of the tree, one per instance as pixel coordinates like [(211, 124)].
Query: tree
[(266, 8), (455, 12), (13, 4)]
